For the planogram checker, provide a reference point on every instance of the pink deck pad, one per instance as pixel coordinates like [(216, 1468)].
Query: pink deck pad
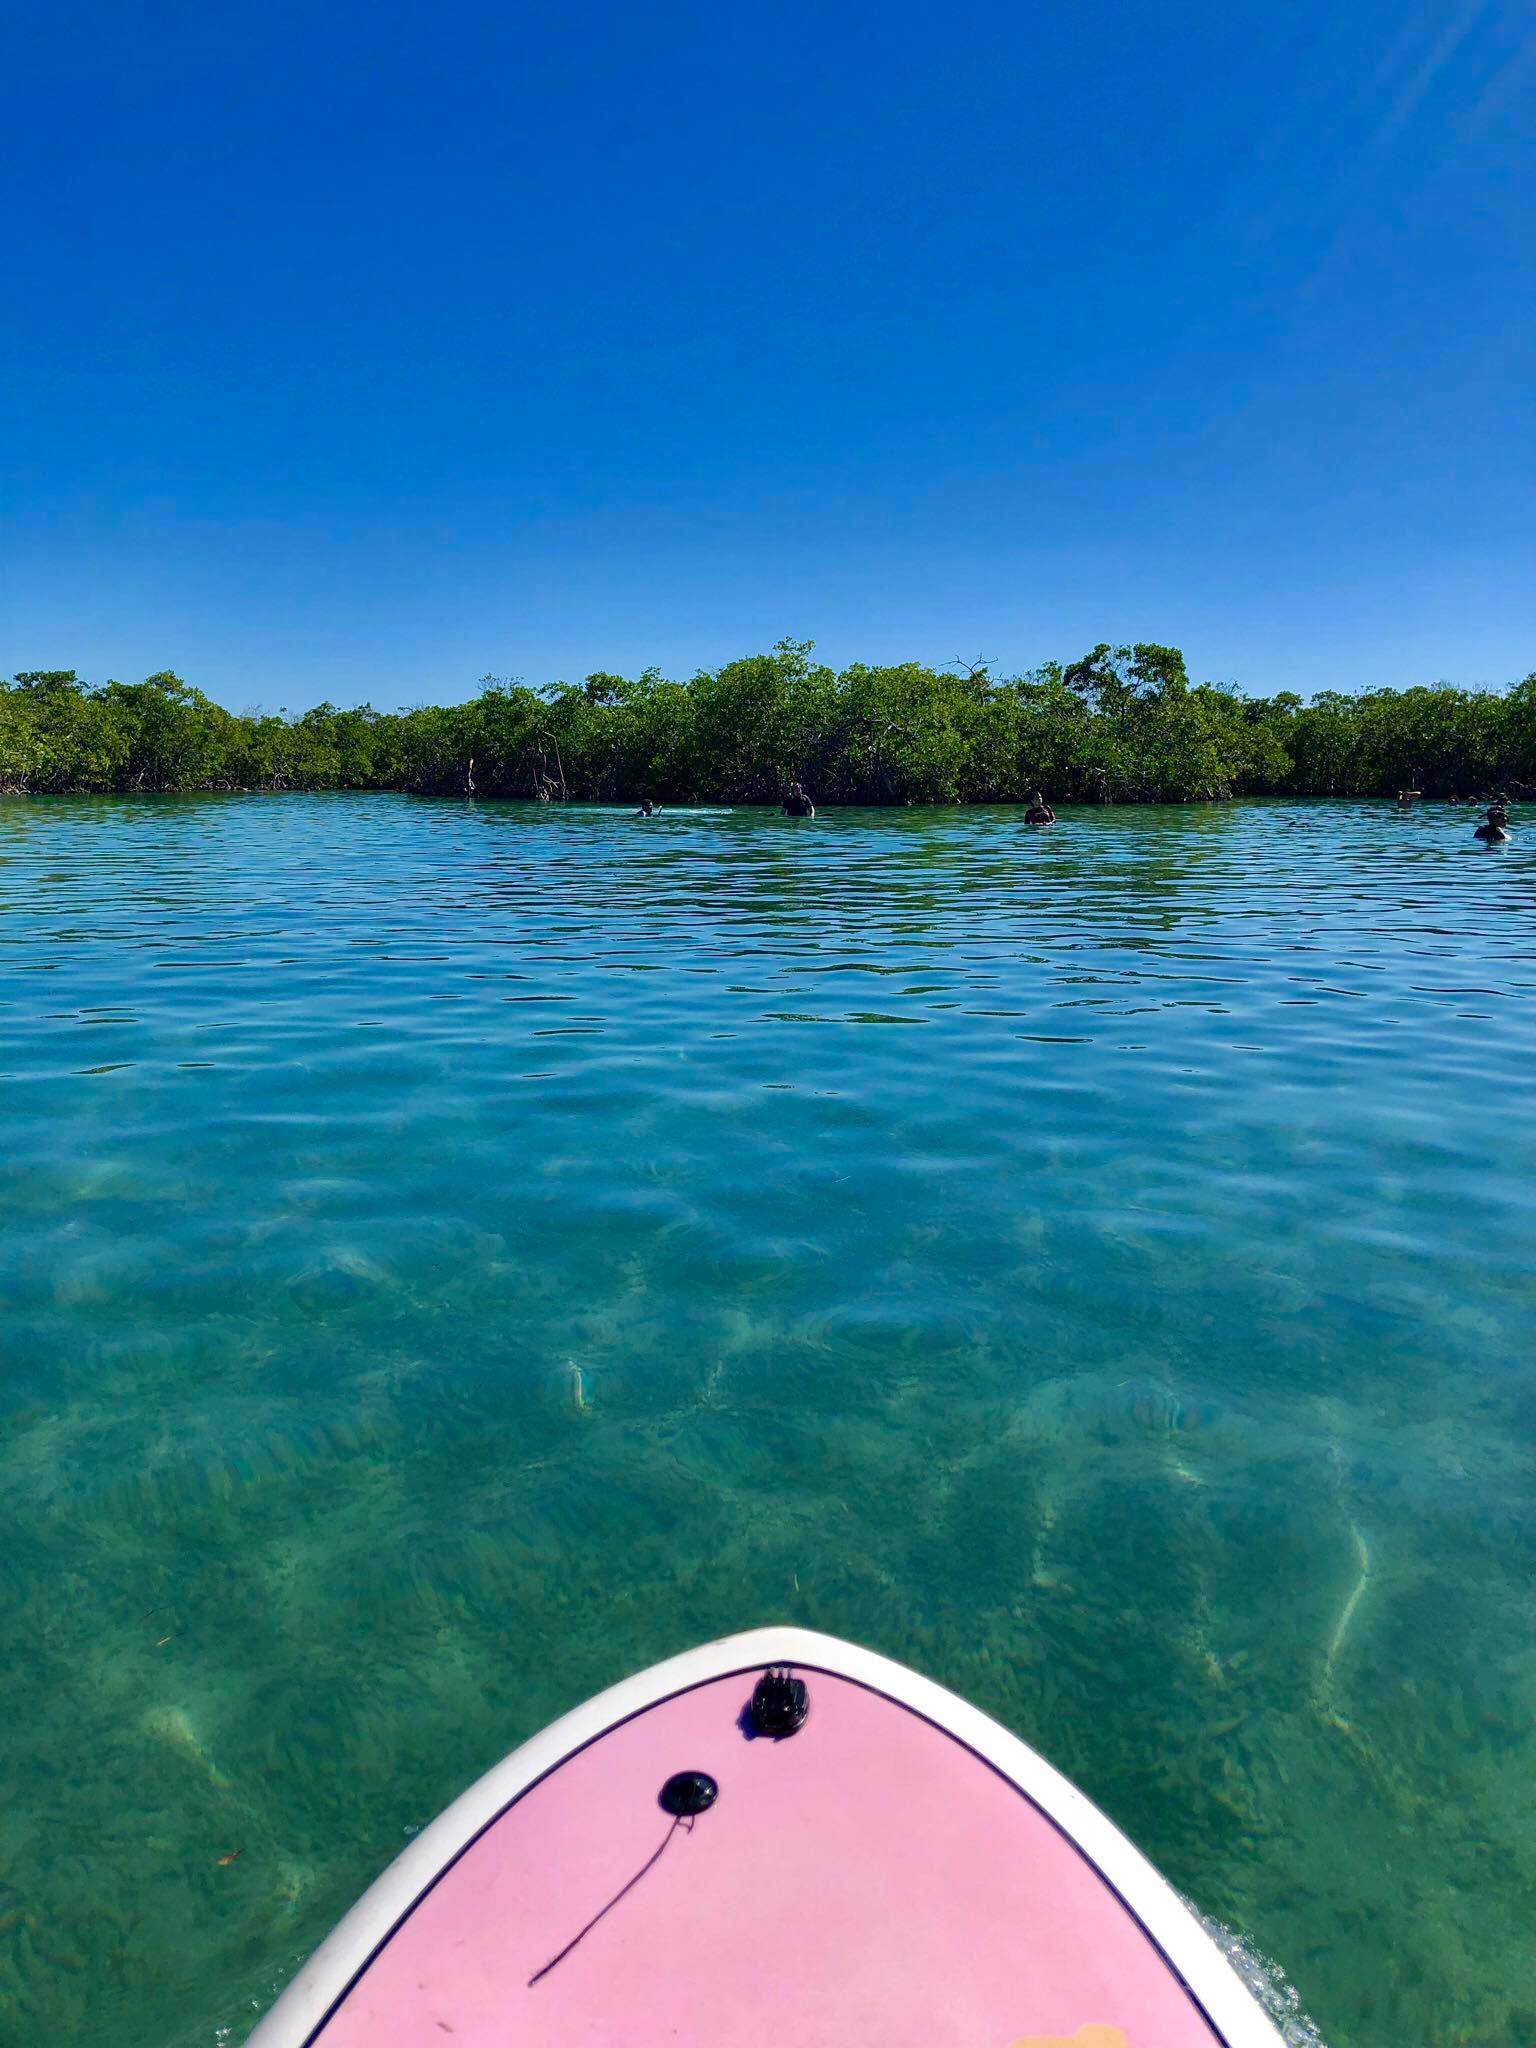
[(865, 1883)]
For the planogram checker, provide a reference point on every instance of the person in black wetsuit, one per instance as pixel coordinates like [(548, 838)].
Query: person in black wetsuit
[(1039, 812), (647, 808), (1494, 831), (797, 804)]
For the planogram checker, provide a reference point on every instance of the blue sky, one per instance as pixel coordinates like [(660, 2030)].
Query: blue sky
[(353, 353)]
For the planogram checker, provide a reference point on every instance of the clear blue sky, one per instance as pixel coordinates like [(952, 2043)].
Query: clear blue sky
[(354, 351)]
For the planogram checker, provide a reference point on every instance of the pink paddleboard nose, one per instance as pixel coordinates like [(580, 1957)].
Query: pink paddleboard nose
[(886, 1868)]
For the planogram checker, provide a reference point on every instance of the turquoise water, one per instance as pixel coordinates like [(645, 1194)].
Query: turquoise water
[(453, 1254)]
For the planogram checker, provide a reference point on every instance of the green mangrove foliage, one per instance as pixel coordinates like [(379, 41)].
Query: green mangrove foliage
[(1122, 725)]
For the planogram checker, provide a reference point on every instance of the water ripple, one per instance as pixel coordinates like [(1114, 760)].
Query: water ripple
[(456, 1252)]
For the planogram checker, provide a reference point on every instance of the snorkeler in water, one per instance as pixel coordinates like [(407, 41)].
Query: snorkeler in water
[(648, 809), (1039, 812), (797, 804), (1493, 832)]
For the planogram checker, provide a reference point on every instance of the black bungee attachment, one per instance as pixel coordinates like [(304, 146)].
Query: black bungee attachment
[(780, 1704), (689, 1793), (685, 1795)]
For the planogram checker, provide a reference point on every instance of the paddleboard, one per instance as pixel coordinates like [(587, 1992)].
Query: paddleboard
[(778, 1837)]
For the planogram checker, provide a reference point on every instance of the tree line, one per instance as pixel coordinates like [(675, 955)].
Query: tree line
[(1122, 725)]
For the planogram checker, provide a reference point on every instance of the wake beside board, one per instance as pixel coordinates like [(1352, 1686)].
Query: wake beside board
[(666, 1865)]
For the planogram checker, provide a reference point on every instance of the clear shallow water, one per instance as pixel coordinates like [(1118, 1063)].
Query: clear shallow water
[(451, 1254)]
